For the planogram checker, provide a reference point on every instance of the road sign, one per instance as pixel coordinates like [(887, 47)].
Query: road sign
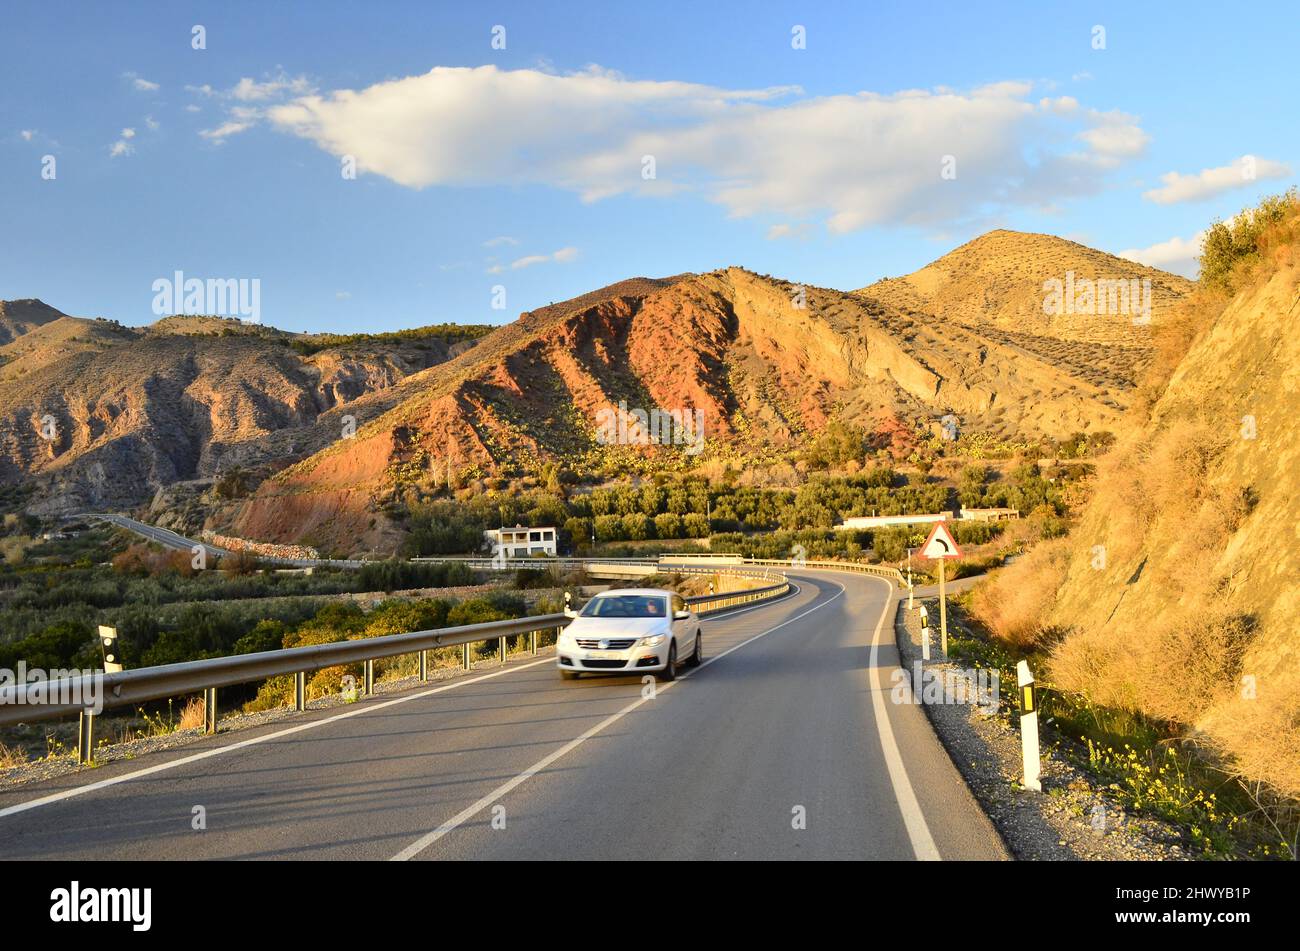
[(940, 544)]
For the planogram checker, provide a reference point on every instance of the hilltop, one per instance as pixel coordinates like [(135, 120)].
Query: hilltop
[(997, 281)]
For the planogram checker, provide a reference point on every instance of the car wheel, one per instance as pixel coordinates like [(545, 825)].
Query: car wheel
[(568, 675), (697, 655), (670, 669)]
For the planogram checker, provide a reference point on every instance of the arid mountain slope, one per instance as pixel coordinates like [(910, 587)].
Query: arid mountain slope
[(734, 346), (18, 317), (95, 415), (997, 280)]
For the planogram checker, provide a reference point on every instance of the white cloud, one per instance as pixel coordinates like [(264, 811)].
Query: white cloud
[(562, 256), (342, 295), (123, 144), (850, 160), (246, 102), (151, 123), (497, 242), (1177, 254), (1213, 181), (141, 84), (786, 230), (28, 134), (1114, 136)]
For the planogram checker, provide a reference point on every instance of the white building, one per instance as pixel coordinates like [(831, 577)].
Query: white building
[(520, 542), (863, 522)]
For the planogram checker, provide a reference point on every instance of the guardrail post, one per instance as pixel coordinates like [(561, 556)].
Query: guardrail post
[(464, 657), (300, 691), (532, 641), (210, 710), (86, 738), (424, 667), (501, 649)]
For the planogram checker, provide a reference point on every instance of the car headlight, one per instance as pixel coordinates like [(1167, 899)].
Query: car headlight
[(654, 641)]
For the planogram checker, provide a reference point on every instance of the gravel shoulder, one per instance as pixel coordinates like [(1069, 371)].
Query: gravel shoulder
[(1071, 819)]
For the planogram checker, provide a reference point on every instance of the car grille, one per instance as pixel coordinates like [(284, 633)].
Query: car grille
[(613, 644), (604, 664)]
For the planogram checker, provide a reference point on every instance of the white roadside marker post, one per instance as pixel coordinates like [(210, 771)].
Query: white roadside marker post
[(1029, 727), (925, 633), (909, 579)]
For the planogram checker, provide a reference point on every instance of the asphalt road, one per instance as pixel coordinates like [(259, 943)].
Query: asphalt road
[(791, 716)]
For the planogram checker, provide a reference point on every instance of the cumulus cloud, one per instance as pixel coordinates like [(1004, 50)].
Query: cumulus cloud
[(850, 160), (246, 102), (1177, 254), (1209, 182)]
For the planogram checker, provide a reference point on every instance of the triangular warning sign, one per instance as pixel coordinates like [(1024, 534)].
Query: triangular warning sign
[(940, 544)]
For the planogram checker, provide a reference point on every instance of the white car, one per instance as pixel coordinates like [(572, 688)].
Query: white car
[(631, 630)]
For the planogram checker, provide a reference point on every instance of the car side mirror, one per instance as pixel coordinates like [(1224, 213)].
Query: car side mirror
[(682, 616)]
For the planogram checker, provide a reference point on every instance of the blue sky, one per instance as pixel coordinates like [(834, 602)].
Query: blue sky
[(524, 167)]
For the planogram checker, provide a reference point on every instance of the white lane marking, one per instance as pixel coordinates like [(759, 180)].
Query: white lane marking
[(196, 757), (367, 708), (422, 843), (913, 818)]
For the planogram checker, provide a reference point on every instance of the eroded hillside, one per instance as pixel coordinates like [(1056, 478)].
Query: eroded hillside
[(766, 362)]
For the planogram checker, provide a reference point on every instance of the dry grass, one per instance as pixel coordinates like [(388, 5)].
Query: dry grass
[(1014, 603), (10, 757), (191, 714)]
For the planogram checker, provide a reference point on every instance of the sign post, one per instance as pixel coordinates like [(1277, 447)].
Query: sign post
[(941, 546)]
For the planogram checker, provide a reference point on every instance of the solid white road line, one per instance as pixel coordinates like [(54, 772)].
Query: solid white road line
[(422, 843), (161, 767), (913, 818)]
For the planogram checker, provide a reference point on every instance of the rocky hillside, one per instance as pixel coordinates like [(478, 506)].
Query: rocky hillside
[(94, 415), (1176, 595), (997, 281), (766, 362)]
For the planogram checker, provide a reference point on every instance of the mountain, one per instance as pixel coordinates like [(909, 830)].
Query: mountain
[(131, 411), (997, 281), (18, 317), (764, 372)]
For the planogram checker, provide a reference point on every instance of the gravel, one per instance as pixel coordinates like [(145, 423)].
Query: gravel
[(1072, 818)]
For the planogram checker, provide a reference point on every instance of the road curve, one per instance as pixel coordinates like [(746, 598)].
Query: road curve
[(790, 719)]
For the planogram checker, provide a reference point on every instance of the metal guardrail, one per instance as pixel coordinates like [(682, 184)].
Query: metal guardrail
[(29, 702)]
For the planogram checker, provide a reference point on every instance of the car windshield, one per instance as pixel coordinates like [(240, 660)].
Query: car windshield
[(626, 605)]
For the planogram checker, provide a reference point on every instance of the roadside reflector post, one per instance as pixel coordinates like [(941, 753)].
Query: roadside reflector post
[(501, 649), (300, 691), (532, 641), (424, 666), (86, 738), (210, 710), (108, 641), (368, 687), (925, 643), (464, 656), (1029, 727)]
